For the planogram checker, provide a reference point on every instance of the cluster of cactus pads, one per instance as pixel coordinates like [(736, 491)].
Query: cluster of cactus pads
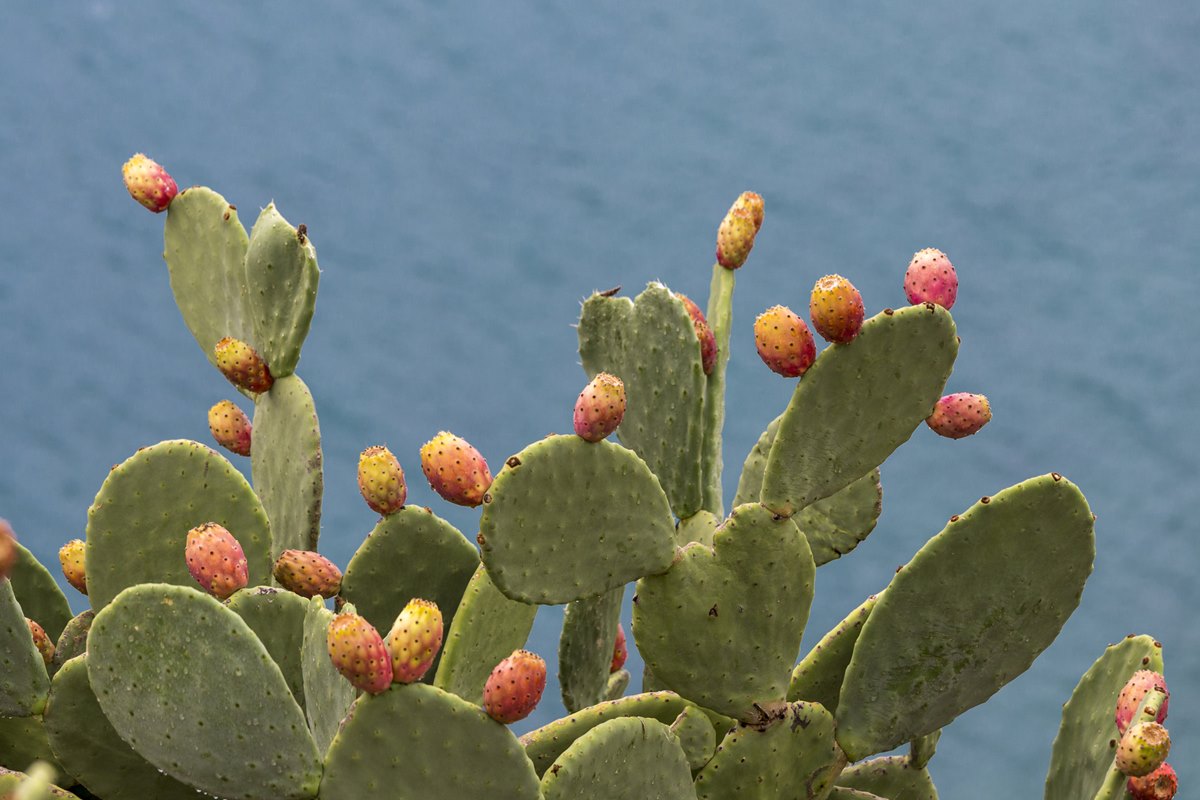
[(210, 662)]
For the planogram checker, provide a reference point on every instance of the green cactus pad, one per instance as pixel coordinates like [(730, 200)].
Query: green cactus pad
[(24, 682), (1009, 571), (749, 488), (91, 749), (73, 640), (723, 626), (327, 694), (567, 519), (485, 630), (696, 736), (892, 777), (12, 780), (842, 793), (699, 527), (412, 553), (138, 524), (857, 404), (277, 619), (585, 650), (286, 464), (1083, 750), (38, 593), (205, 244), (23, 741), (417, 741), (719, 315), (922, 749), (281, 279), (622, 759), (793, 756), (651, 345), (616, 685), (188, 685), (819, 675), (548, 742)]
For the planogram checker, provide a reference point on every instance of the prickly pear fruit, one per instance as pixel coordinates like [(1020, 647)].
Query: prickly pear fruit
[(455, 469), (216, 560), (959, 414), (600, 407), (381, 480), (704, 334), (735, 236), (243, 366), (358, 652), (1143, 748), (836, 309), (414, 640), (230, 427), (1134, 691), (930, 278), (1161, 784), (149, 183), (73, 557), (620, 650), (308, 574), (784, 342), (41, 641), (515, 686), (8, 549)]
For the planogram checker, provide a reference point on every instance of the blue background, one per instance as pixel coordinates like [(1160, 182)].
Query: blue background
[(469, 174)]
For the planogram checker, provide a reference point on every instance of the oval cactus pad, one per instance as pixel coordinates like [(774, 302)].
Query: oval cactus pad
[(139, 522), (630, 758), (286, 464), (890, 776), (38, 593), (1009, 571), (567, 519), (24, 682), (281, 281)]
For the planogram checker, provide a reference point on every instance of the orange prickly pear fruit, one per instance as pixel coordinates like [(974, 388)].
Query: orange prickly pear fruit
[(8, 549), (836, 309), (230, 427), (455, 469), (414, 640), (960, 414), (515, 686), (620, 650), (358, 652), (1161, 784), (308, 574), (704, 334), (735, 236), (784, 342), (243, 366), (216, 560), (41, 641), (600, 407)]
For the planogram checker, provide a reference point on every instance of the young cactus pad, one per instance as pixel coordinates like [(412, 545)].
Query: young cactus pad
[(890, 776), (24, 682), (621, 759), (38, 592)]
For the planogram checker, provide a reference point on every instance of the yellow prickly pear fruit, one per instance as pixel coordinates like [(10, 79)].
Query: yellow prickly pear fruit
[(149, 183), (230, 427), (73, 557), (836, 309), (243, 366), (414, 640), (381, 480), (735, 236)]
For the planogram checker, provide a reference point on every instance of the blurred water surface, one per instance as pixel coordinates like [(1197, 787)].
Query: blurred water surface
[(469, 173)]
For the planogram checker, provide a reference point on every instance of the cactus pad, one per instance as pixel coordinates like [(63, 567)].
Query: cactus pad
[(73, 640), (222, 718), (699, 527), (622, 759), (567, 519), (327, 694), (819, 675), (890, 777), (749, 488), (24, 682), (281, 279), (696, 736), (585, 650), (1010, 570), (139, 522), (857, 404), (23, 741), (277, 619), (286, 464), (38, 593), (723, 626)]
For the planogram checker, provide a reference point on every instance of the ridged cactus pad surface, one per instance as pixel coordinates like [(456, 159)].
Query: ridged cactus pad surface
[(890, 777), (567, 519), (631, 758), (1009, 571), (38, 593), (281, 278), (24, 682), (286, 464)]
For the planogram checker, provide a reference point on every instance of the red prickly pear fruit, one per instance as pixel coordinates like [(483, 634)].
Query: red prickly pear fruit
[(960, 414), (308, 574), (930, 278), (73, 557), (735, 236), (1134, 691), (41, 641), (8, 549), (149, 183), (836, 309), (230, 427), (515, 686), (600, 407), (216, 560), (455, 469), (243, 366), (704, 334), (1143, 748), (784, 342), (358, 652), (414, 640), (381, 480), (1161, 784), (620, 650)]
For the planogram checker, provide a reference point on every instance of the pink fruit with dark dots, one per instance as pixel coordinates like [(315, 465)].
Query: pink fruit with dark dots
[(381, 480), (41, 641), (414, 640), (359, 653), (149, 183), (620, 650), (230, 427), (1134, 691), (307, 573), (704, 334), (73, 557), (784, 342), (1162, 784), (1143, 747), (735, 236), (8, 549), (515, 686), (930, 278), (455, 469), (243, 366), (960, 414), (836, 309), (600, 407), (216, 560)]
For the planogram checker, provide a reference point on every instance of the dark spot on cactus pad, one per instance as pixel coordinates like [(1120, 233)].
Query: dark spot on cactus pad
[(800, 722), (513, 462), (712, 612), (1056, 476), (226, 217), (985, 500), (899, 568), (1158, 645), (609, 292), (635, 599), (302, 232), (954, 518), (479, 538), (487, 497), (1112, 742), (554, 769), (888, 311), (930, 306), (779, 517), (232, 207)]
